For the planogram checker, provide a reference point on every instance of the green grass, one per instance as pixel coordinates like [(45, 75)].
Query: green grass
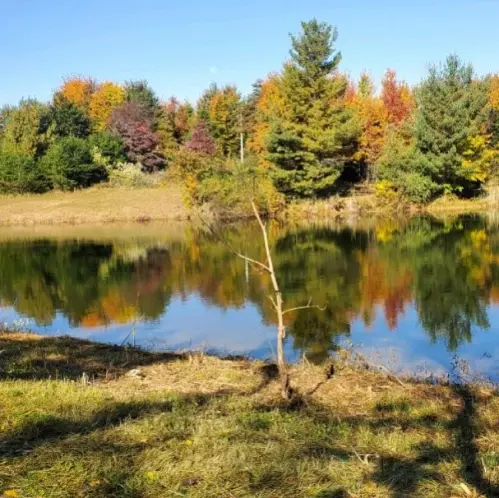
[(199, 426)]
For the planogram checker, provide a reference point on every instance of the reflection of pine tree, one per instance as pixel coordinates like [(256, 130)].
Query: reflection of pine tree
[(449, 269), (451, 283)]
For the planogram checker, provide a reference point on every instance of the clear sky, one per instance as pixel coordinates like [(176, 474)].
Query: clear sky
[(180, 46)]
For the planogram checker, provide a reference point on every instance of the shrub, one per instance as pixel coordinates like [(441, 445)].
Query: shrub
[(131, 176), (69, 165), (386, 192), (107, 150), (417, 188), (230, 189), (190, 169), (20, 174), (226, 185)]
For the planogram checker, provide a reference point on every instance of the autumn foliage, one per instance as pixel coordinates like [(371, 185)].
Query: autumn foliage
[(78, 91), (307, 130), (397, 98), (104, 100)]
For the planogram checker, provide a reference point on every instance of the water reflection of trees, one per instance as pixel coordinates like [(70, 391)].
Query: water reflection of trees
[(448, 269)]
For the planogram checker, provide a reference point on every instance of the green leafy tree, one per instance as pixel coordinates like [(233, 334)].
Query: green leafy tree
[(107, 149), (69, 164), (4, 113), (451, 104), (27, 129), (311, 145)]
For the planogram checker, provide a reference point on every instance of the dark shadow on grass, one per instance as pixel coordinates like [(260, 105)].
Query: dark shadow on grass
[(404, 475), (31, 357), (34, 433), (467, 432), (34, 358)]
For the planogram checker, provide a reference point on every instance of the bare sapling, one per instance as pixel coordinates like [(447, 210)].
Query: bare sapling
[(275, 298)]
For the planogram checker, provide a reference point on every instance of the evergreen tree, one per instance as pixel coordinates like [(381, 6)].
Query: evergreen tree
[(141, 92), (451, 106), (69, 165), (68, 119), (250, 110), (493, 121), (316, 138), (203, 104), (20, 174)]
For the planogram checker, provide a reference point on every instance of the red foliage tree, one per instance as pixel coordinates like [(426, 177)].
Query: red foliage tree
[(396, 97), (201, 140), (132, 122)]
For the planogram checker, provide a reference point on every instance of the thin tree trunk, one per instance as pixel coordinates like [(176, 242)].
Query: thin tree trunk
[(278, 305)]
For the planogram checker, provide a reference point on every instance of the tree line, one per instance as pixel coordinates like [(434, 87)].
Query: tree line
[(308, 131)]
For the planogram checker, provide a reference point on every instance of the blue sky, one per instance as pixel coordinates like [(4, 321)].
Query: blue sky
[(182, 46)]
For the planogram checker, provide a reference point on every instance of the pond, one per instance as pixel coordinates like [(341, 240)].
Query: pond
[(416, 295)]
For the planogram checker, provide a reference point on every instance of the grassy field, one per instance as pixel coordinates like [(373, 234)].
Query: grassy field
[(95, 205), (78, 419)]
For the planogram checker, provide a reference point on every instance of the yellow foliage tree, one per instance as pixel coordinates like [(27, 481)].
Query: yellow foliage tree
[(104, 100), (494, 92), (478, 158), (270, 106), (224, 111)]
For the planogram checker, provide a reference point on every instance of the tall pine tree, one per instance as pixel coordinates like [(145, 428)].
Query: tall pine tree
[(451, 114), (316, 136)]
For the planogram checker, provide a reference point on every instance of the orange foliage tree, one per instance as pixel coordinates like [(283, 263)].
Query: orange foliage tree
[(397, 98), (373, 118), (104, 100), (270, 106), (78, 90)]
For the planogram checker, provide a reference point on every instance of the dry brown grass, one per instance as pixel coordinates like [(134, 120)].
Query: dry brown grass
[(104, 205), (95, 205), (457, 206)]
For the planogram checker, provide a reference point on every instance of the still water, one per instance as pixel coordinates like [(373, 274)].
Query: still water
[(413, 295)]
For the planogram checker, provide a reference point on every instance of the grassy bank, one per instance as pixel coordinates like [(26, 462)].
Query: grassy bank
[(101, 205), (96, 205), (79, 419)]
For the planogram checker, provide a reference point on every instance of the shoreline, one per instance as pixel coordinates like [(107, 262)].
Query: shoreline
[(112, 206)]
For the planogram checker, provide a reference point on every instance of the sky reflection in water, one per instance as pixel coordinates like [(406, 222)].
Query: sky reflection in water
[(410, 294)]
